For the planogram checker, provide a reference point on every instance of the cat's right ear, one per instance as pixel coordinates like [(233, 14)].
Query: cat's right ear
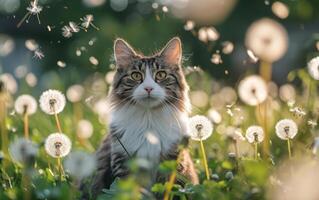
[(123, 53)]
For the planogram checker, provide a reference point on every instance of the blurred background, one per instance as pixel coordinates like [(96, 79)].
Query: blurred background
[(213, 34)]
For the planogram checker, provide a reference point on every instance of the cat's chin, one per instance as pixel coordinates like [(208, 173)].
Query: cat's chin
[(149, 102)]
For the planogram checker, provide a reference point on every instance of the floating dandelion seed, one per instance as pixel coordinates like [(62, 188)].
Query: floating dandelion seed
[(38, 54), (80, 164), (280, 9), (52, 102), (297, 111), (23, 151), (312, 123), (75, 93), (255, 134), (189, 25), (215, 116), (87, 21), (228, 47), (67, 31), (286, 129), (8, 83), (33, 9), (61, 63), (25, 104), (206, 34), (252, 56), (267, 39), (74, 27), (93, 60), (31, 79), (313, 68), (216, 59), (32, 45), (252, 90), (84, 129), (57, 145)]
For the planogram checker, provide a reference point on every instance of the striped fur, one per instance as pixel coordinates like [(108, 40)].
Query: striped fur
[(148, 125)]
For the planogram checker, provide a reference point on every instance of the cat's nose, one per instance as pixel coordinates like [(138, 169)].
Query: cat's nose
[(148, 89)]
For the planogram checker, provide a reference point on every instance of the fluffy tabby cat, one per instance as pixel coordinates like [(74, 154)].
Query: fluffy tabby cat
[(149, 112)]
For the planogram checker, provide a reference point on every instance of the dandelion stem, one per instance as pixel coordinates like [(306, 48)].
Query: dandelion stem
[(289, 147), (172, 177), (204, 159), (26, 125), (26, 185), (256, 150), (57, 122), (61, 170), (3, 129)]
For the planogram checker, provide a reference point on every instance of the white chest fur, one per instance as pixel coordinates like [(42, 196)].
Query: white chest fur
[(148, 133)]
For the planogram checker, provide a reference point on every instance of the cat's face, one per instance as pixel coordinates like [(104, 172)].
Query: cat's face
[(150, 82)]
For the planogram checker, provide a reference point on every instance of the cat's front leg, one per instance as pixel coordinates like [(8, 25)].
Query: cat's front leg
[(119, 165)]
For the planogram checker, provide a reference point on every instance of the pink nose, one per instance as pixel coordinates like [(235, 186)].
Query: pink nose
[(148, 89)]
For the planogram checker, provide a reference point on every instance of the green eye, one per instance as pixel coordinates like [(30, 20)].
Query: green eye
[(160, 75), (137, 76)]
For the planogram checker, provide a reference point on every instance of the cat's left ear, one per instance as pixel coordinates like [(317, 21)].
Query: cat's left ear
[(172, 52)]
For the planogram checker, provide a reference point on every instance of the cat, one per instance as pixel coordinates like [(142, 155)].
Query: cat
[(149, 114)]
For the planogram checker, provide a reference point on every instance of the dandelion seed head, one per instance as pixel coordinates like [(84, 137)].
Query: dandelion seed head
[(267, 39), (252, 90), (216, 59), (8, 83), (200, 128), (25, 104), (52, 101), (57, 145), (313, 68), (75, 93), (23, 150), (84, 129), (189, 25), (286, 129), (80, 164), (206, 34), (255, 134)]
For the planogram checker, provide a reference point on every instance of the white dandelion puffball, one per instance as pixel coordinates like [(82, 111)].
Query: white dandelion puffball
[(57, 145), (255, 134), (84, 129), (75, 93), (286, 129), (26, 104), (200, 128), (22, 150), (52, 101), (80, 164), (252, 90), (313, 68), (267, 39), (9, 83)]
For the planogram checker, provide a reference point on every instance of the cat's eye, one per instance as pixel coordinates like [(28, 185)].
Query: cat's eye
[(137, 76), (160, 75)]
